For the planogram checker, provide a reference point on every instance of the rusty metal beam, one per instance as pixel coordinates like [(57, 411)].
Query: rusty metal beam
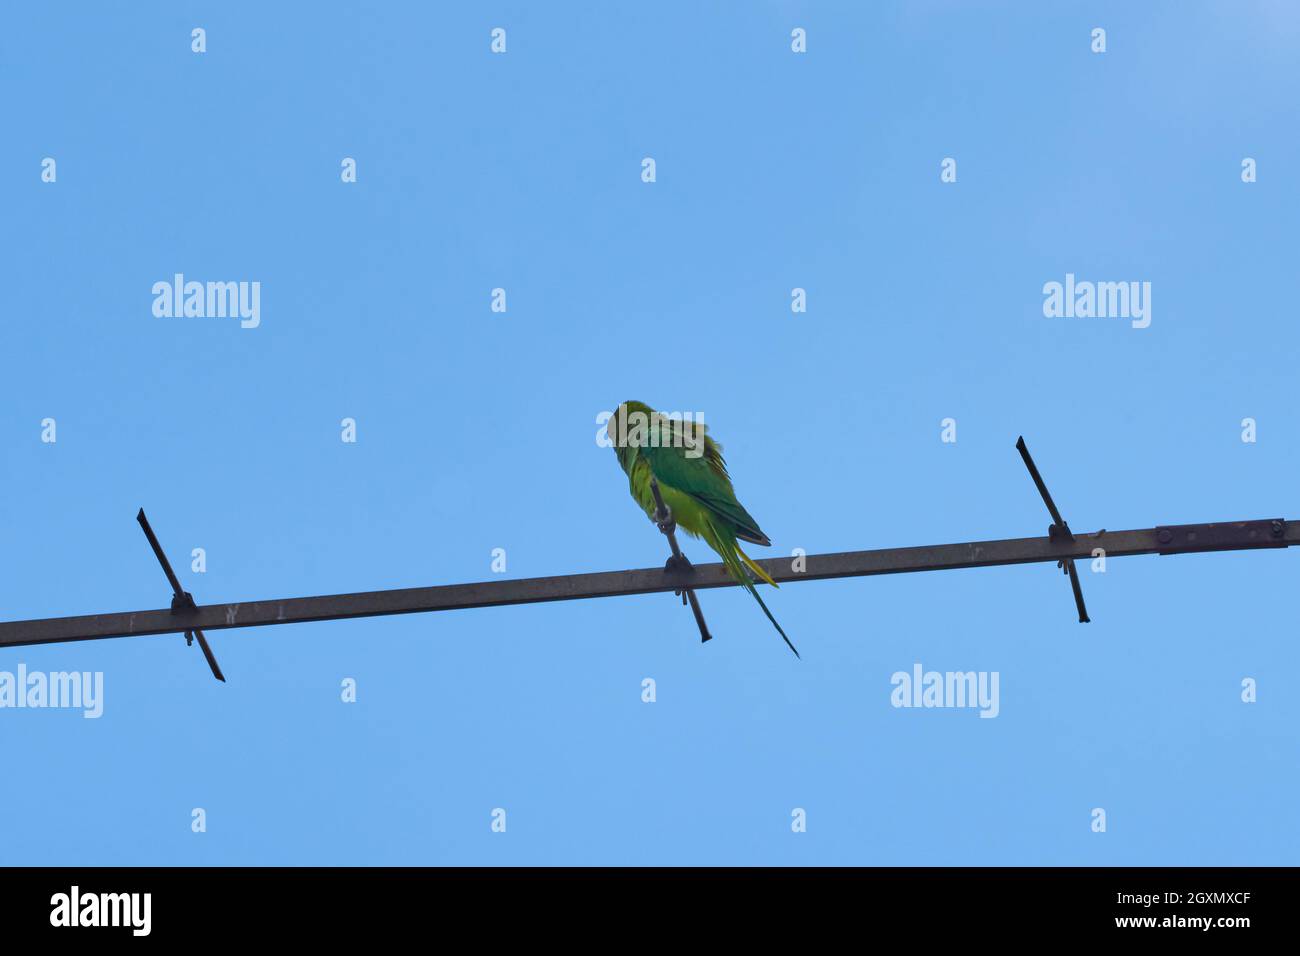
[(1163, 539)]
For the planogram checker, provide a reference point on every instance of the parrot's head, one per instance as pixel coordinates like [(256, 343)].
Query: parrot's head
[(627, 430)]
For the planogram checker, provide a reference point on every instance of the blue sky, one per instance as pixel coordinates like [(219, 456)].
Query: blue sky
[(475, 429)]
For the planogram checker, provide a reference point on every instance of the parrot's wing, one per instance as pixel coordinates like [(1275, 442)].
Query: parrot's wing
[(706, 483)]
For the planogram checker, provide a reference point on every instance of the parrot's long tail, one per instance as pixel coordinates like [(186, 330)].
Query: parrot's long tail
[(762, 575), (729, 551)]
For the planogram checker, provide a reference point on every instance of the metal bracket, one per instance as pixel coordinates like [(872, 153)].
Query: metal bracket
[(180, 604), (1058, 531), (182, 600), (1221, 536)]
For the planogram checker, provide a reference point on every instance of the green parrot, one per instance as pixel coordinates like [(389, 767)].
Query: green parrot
[(692, 476)]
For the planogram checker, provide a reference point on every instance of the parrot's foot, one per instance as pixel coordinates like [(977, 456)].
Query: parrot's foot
[(678, 562)]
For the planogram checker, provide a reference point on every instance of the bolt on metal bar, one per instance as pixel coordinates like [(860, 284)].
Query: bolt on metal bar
[(1164, 540)]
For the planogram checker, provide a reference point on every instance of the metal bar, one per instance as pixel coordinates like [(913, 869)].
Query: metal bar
[(1228, 536), (1059, 528), (211, 658), (666, 524), (182, 600), (158, 552), (1078, 592), (1038, 480)]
